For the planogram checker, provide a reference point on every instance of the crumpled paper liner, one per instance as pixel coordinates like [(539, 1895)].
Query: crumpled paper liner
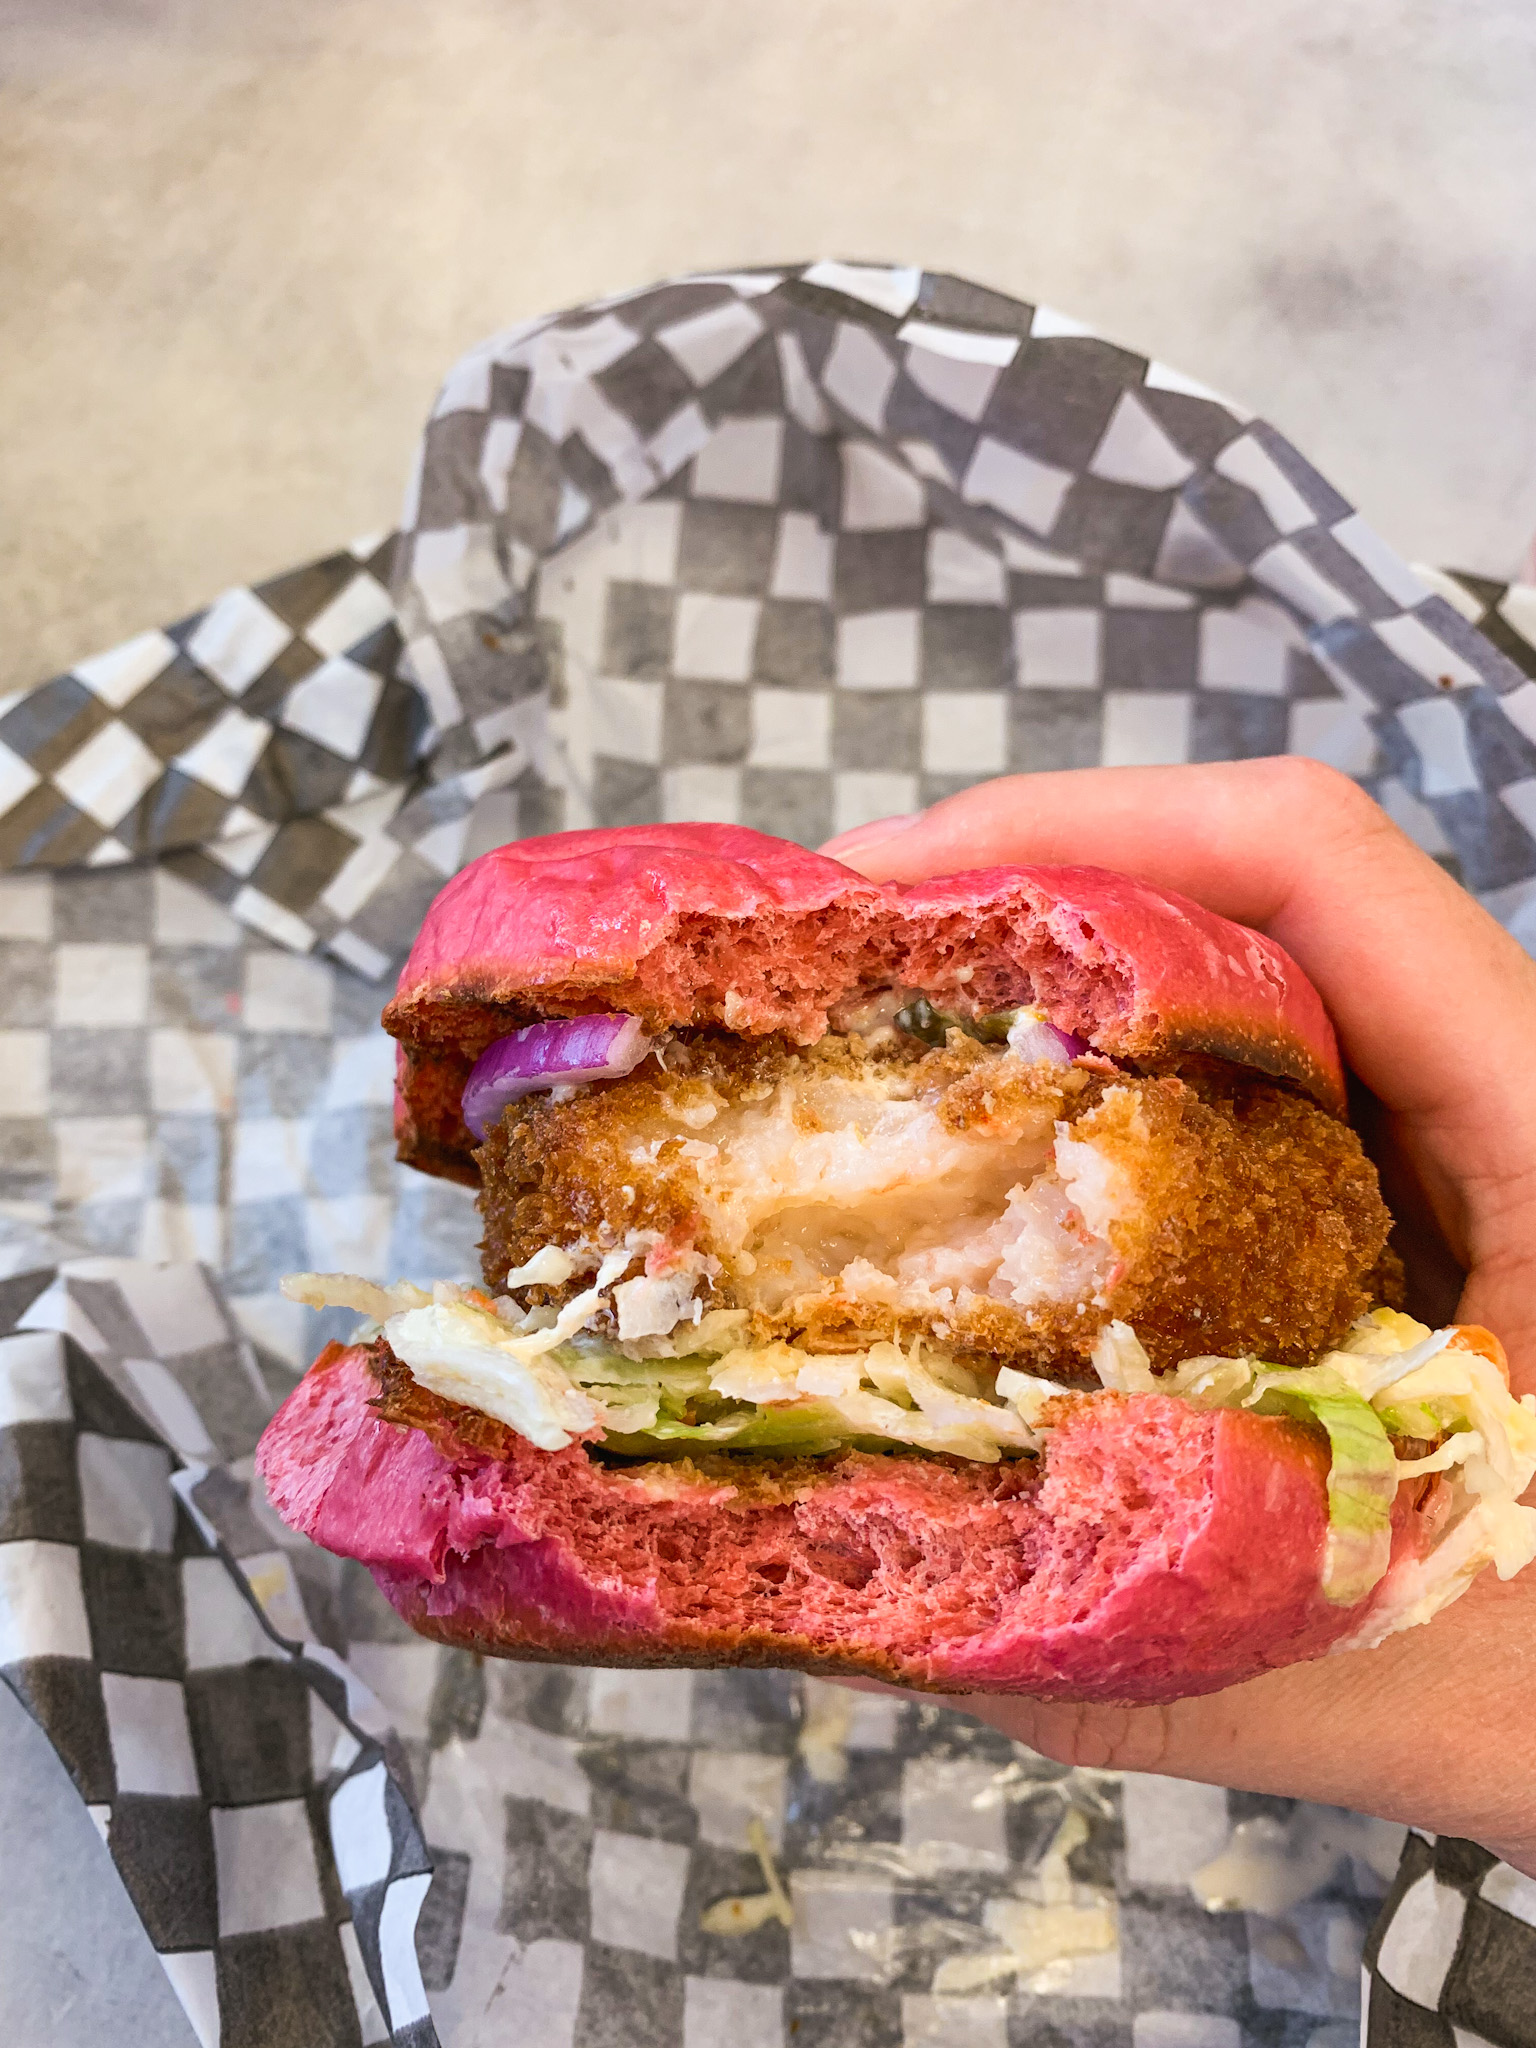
[(793, 548), (799, 549)]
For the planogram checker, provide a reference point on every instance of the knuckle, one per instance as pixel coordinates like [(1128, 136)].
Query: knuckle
[(1299, 782), (1322, 801)]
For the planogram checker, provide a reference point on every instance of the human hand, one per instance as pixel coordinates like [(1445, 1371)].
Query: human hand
[(1435, 1007)]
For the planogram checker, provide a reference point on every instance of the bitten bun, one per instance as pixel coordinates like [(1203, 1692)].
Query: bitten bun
[(1164, 1552), (715, 924)]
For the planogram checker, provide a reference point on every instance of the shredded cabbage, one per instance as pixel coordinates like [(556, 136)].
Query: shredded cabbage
[(464, 1354), (766, 1396), (1121, 1362), (700, 1384), (1362, 1474), (1414, 1382)]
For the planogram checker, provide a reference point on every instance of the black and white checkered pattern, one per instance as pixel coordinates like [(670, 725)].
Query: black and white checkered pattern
[(214, 1685), (260, 742), (799, 549), (241, 1781), (175, 1086), (1452, 1961), (791, 548)]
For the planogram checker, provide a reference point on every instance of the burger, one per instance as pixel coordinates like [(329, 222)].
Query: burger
[(974, 1284)]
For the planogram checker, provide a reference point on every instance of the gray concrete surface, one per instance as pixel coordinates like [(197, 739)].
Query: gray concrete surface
[(241, 239)]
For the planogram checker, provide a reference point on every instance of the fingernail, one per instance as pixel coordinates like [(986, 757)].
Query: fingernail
[(862, 837)]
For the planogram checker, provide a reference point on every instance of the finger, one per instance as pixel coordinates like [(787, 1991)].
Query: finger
[(1260, 841), (1434, 1003), (848, 845)]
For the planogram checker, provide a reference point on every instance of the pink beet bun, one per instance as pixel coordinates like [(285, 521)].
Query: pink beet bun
[(714, 924), (1164, 1552)]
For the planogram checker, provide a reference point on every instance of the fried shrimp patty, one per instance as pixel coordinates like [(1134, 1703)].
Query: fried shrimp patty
[(1001, 1210)]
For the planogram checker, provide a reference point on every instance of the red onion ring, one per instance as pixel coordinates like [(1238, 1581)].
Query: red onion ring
[(550, 1054), (1038, 1039)]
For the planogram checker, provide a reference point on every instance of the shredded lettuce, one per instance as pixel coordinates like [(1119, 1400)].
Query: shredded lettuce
[(1437, 1386), (1497, 1532), (1121, 1362), (778, 1397), (1362, 1471), (552, 1376), (1391, 1377), (1362, 1474), (799, 1429), (1429, 1388), (465, 1354)]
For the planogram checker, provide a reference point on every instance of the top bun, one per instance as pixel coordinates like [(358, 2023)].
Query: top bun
[(715, 924)]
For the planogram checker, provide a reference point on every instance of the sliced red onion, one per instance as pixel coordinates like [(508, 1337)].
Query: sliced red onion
[(1032, 1036), (547, 1055)]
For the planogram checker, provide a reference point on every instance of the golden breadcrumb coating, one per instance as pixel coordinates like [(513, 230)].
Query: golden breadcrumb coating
[(1002, 1211)]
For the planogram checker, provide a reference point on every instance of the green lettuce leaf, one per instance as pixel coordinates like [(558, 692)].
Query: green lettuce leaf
[(803, 1429), (684, 1414), (1425, 1419), (1362, 1475)]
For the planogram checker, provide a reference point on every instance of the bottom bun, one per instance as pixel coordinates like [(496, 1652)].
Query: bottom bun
[(1156, 1551)]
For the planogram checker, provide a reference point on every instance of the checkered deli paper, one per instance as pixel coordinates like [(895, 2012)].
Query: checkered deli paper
[(790, 548), (797, 549)]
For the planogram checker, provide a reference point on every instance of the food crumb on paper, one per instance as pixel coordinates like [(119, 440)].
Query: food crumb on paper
[(1269, 1866), (824, 1732), (747, 1912), (1043, 1936)]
